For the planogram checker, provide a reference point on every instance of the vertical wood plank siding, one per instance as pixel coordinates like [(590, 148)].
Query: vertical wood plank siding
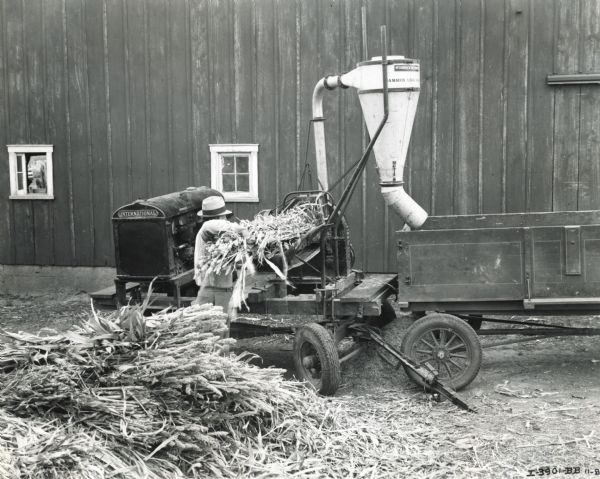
[(18, 127), (132, 93), (589, 135)]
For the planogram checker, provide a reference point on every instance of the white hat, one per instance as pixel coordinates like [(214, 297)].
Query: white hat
[(213, 206)]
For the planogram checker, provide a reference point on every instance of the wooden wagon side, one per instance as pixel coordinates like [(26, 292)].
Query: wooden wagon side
[(513, 263)]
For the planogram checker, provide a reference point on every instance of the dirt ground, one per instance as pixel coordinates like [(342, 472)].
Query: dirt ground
[(538, 402)]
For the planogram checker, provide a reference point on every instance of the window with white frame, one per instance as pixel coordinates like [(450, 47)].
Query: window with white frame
[(30, 168), (234, 171)]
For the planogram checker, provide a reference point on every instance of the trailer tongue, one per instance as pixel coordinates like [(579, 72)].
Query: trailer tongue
[(427, 374)]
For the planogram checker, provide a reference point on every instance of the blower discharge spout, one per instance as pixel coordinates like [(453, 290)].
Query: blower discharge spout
[(391, 146)]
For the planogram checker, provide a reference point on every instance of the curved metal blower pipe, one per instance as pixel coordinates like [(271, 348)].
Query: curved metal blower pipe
[(394, 93)]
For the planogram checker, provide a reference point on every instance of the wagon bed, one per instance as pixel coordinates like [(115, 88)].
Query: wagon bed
[(499, 263)]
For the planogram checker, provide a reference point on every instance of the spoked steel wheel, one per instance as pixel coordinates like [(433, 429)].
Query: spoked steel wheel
[(316, 358), (445, 344)]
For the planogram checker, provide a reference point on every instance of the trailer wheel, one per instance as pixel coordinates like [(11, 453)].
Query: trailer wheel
[(446, 344), (316, 359)]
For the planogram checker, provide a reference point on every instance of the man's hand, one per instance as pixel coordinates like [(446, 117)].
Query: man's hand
[(239, 229)]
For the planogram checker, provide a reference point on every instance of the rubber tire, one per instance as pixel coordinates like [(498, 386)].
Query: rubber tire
[(386, 316), (320, 339), (459, 327)]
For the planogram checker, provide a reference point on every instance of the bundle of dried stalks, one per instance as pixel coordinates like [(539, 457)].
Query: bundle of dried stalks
[(265, 237)]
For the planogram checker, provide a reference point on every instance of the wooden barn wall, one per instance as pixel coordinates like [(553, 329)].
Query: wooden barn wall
[(131, 93)]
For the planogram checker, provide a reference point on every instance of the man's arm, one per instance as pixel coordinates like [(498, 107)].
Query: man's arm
[(198, 260)]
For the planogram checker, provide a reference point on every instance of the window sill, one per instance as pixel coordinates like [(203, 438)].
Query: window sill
[(240, 199), (31, 196)]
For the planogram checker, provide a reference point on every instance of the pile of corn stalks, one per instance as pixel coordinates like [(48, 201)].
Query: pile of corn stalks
[(265, 237), (137, 397), (125, 396), (128, 396)]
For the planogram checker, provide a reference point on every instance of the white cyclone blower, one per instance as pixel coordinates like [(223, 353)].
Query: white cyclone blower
[(392, 135)]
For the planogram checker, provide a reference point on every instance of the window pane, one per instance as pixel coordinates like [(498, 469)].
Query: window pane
[(241, 164), (36, 174), (228, 164), (228, 182), (243, 182), (20, 172)]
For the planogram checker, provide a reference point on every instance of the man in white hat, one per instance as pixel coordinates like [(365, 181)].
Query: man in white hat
[(215, 288)]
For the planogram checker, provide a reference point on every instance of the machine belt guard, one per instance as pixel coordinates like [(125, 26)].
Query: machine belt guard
[(429, 377)]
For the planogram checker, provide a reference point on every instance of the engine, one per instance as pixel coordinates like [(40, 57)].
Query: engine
[(155, 237)]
